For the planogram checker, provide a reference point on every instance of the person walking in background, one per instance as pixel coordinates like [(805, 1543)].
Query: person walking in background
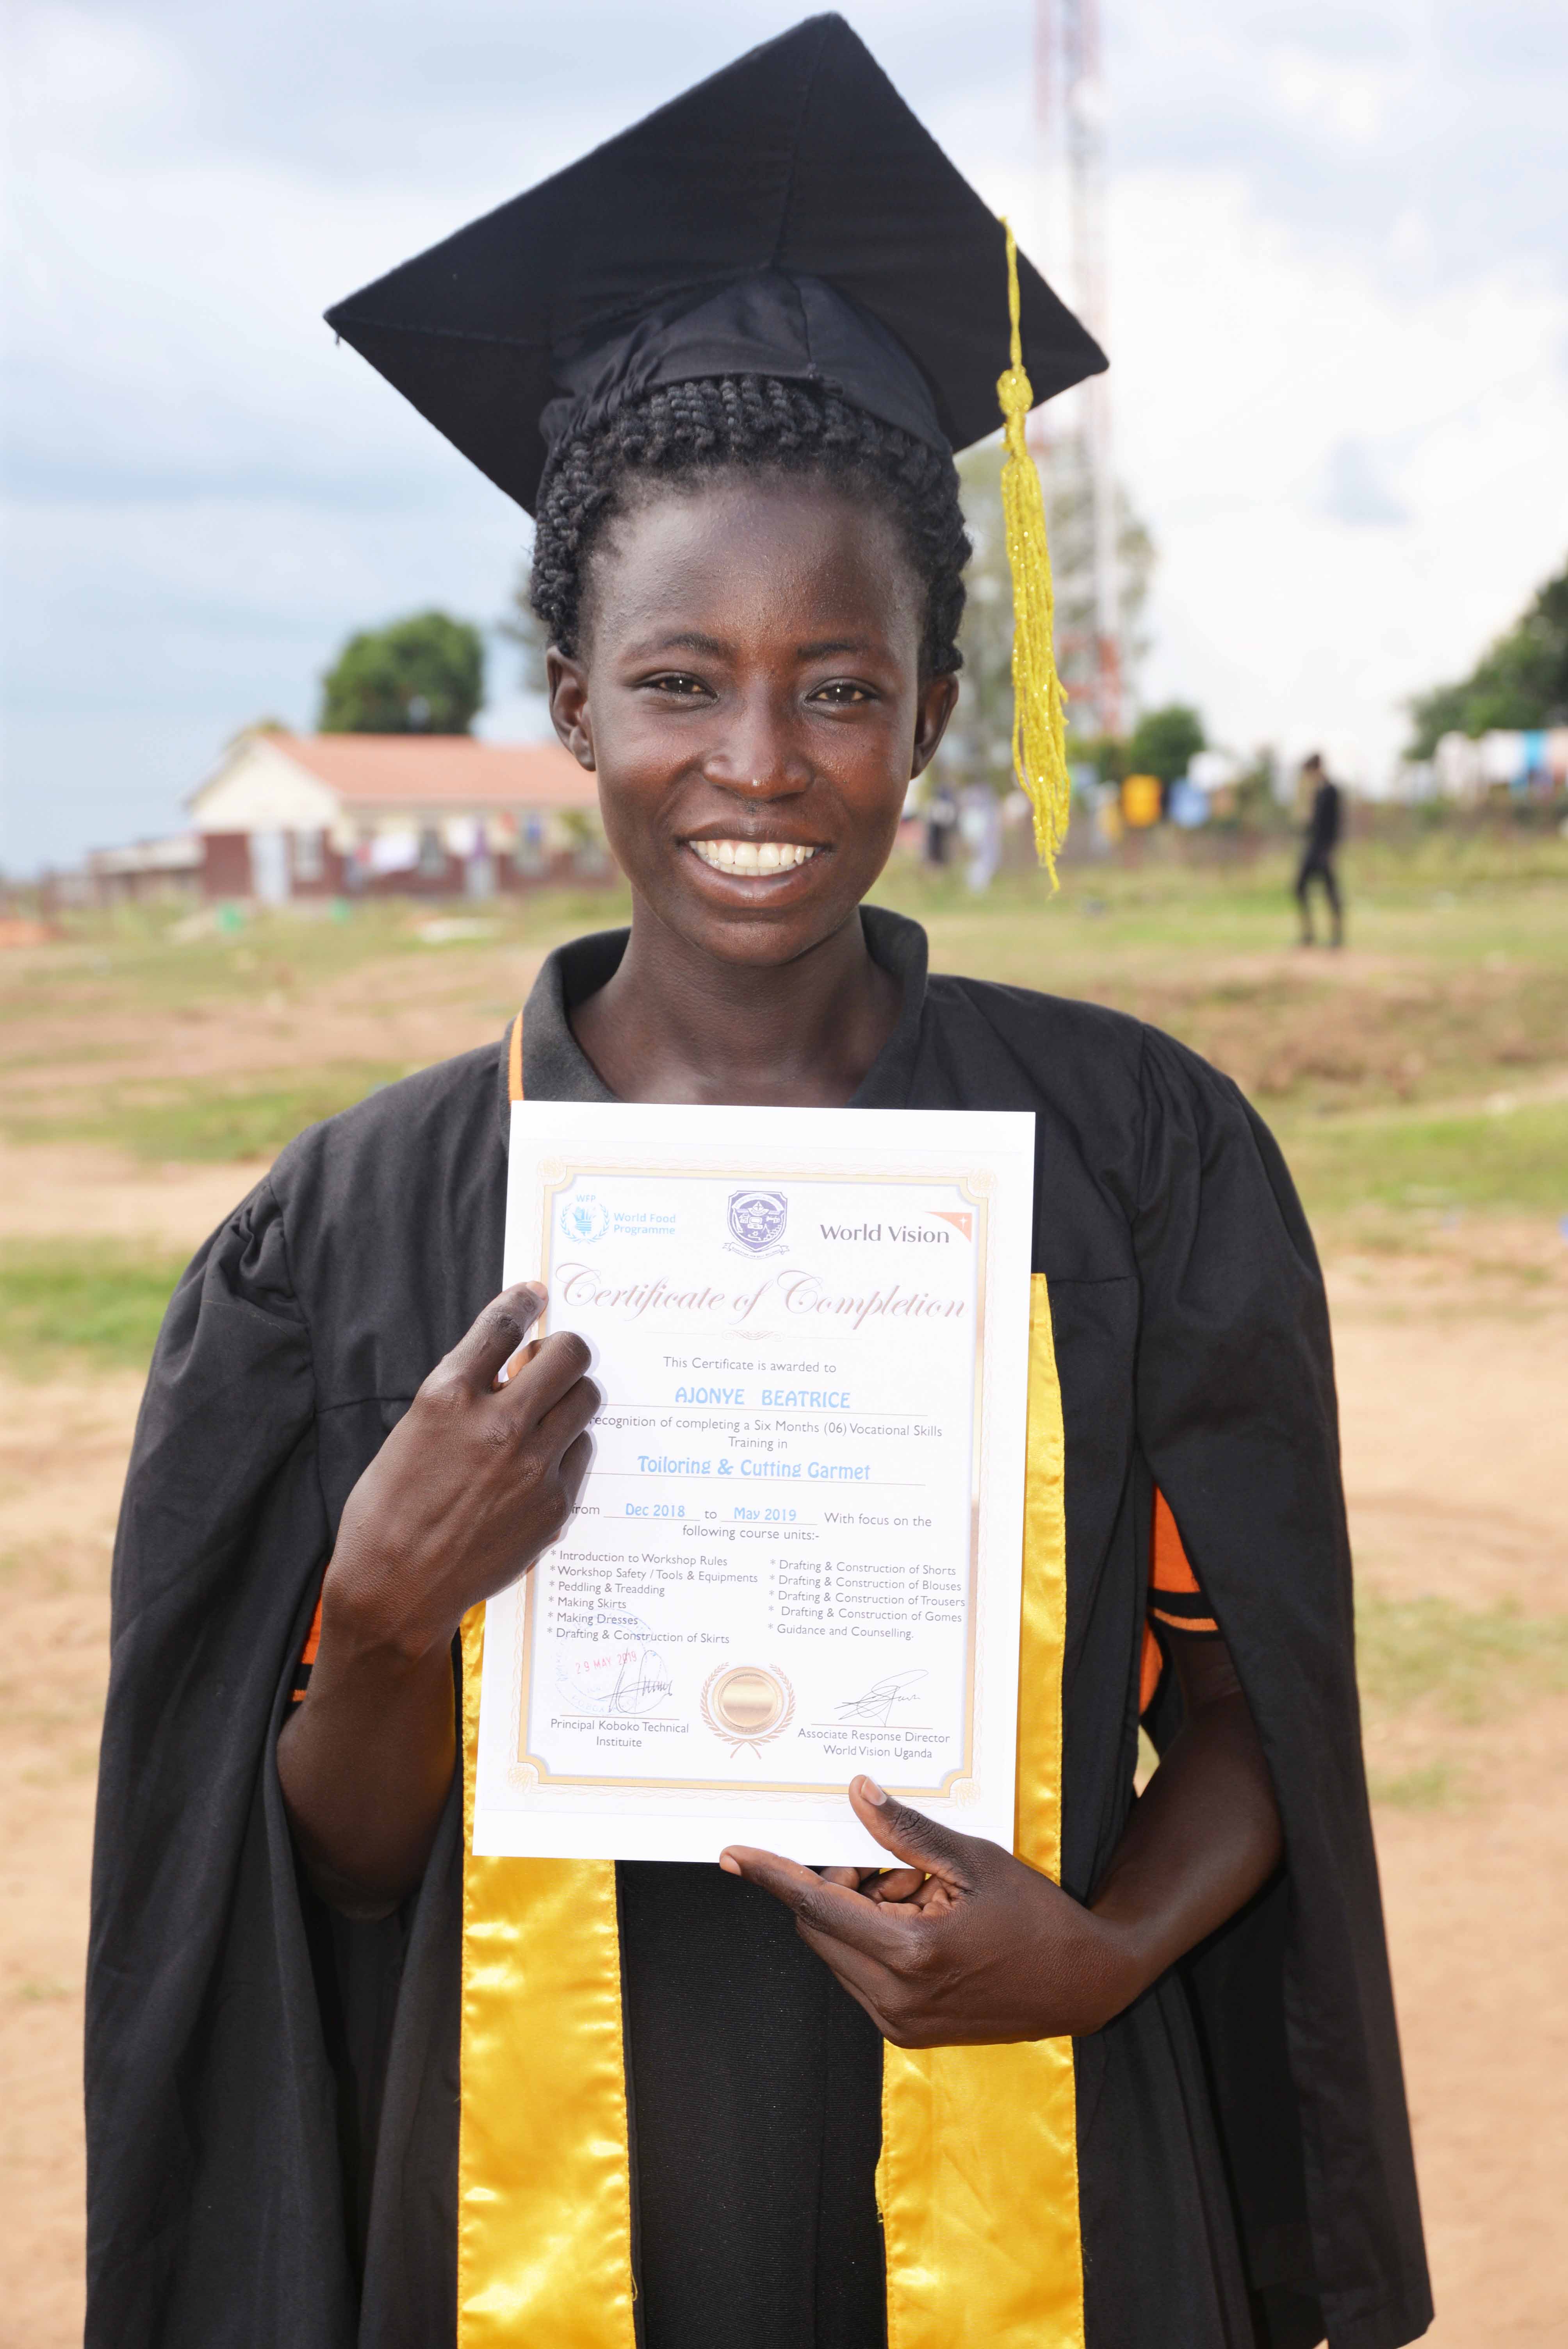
[(1317, 853), (980, 829), (940, 820)]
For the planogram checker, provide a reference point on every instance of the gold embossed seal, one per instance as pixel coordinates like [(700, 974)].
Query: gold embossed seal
[(745, 1705)]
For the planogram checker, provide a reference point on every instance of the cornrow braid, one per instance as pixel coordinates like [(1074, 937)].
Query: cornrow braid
[(681, 432)]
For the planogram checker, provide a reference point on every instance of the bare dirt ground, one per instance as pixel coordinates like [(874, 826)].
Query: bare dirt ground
[(1454, 1367), (408, 1011), (1453, 1375)]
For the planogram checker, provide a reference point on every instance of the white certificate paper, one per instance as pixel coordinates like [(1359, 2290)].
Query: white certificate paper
[(797, 1551)]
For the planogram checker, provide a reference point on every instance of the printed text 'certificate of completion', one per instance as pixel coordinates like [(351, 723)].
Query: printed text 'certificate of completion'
[(797, 1551)]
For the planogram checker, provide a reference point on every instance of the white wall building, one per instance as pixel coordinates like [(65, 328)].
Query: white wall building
[(286, 815)]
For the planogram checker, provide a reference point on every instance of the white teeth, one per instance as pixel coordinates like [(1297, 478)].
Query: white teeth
[(753, 856)]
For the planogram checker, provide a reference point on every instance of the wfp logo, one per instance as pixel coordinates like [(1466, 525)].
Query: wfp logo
[(584, 1219), (757, 1219)]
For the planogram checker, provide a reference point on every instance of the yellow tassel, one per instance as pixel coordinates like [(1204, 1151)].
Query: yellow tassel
[(1039, 723)]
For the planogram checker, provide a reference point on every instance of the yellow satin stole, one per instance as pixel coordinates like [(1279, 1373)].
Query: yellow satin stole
[(977, 2183)]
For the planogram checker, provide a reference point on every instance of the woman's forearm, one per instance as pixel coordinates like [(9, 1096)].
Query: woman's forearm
[(478, 1476), (963, 1944), (365, 1763), (1205, 1835)]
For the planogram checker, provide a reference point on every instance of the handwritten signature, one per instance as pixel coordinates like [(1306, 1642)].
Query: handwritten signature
[(878, 1702), (641, 1682)]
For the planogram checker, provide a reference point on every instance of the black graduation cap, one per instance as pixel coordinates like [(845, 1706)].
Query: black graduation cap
[(788, 216)]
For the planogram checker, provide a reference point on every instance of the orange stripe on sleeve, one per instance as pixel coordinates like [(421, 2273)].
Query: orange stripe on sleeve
[(1172, 1580), (307, 1655), (1171, 1576), (1168, 1565)]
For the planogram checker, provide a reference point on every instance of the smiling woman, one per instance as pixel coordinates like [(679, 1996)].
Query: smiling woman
[(752, 792), (1133, 2082)]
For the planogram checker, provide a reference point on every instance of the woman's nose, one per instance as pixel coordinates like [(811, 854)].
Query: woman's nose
[(758, 757)]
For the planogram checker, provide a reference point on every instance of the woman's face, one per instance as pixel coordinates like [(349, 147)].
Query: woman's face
[(749, 692)]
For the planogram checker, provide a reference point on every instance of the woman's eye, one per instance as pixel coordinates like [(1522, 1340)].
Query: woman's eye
[(842, 694), (679, 688)]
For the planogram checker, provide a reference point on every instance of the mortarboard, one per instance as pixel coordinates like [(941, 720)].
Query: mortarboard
[(790, 216)]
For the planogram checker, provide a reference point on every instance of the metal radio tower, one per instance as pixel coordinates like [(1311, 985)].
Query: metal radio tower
[(1070, 116)]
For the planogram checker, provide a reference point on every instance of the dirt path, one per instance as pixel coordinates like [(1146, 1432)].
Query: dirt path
[(1453, 1370), (72, 1192), (1478, 1912), (405, 1010), (62, 1457)]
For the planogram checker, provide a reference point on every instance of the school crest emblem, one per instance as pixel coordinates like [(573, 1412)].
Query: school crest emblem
[(757, 1218)]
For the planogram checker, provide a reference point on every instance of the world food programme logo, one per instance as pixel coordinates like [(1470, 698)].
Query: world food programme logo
[(585, 1220), (757, 1219)]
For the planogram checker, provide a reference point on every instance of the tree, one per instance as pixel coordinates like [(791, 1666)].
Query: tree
[(978, 745), (1164, 741), (424, 675), (1521, 681)]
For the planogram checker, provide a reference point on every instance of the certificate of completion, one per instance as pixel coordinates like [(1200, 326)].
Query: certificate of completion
[(797, 1554)]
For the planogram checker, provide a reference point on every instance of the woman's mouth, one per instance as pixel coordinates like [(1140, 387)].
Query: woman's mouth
[(752, 856)]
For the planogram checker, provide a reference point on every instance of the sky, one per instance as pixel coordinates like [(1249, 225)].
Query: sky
[(1338, 328)]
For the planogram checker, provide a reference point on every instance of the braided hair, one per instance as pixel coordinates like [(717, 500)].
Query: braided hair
[(683, 433)]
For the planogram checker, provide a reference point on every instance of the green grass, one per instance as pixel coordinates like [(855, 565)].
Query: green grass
[(133, 958), (96, 1299), (1474, 1664), (1466, 1665), (206, 1121), (1431, 1786), (1372, 1071), (1456, 897), (1425, 1160)]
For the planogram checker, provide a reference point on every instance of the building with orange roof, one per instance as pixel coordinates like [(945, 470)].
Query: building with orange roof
[(302, 815)]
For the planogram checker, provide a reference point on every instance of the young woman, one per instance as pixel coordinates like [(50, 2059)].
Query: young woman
[(751, 580)]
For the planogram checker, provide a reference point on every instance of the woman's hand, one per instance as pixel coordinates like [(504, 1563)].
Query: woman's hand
[(963, 1946), (966, 1945), (471, 1484)]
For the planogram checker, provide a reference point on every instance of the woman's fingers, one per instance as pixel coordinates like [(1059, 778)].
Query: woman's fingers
[(830, 1910), (923, 1845), (565, 1420), (877, 1988), (896, 1884), (496, 1336), (556, 1364), (575, 1462), (882, 1954), (514, 1362)]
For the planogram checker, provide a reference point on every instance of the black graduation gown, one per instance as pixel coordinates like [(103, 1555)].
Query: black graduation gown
[(272, 2092)]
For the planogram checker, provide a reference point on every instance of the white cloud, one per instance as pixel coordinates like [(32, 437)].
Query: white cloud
[(1340, 316), (1255, 372), (1349, 101)]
